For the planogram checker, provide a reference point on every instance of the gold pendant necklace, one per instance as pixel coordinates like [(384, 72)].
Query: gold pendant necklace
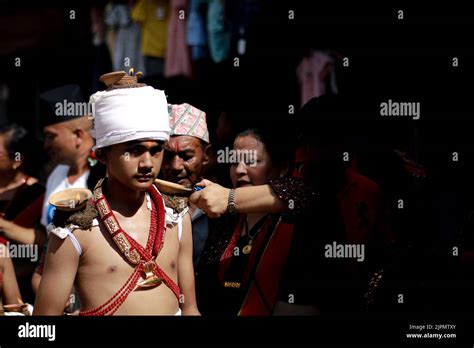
[(151, 279), (247, 248)]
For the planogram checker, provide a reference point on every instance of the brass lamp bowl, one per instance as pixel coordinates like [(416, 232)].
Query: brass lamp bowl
[(120, 78), (171, 188), (70, 199)]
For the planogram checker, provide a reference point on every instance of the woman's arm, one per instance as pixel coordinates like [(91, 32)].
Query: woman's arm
[(280, 196), (11, 291), (22, 235)]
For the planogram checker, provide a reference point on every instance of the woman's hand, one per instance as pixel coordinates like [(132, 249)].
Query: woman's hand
[(213, 199)]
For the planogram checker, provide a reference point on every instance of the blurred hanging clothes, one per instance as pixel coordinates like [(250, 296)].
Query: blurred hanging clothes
[(316, 75), (177, 60), (219, 31), (196, 30), (127, 50), (243, 13), (153, 17), (102, 62)]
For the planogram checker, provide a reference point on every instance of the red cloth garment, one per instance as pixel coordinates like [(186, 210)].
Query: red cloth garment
[(263, 291), (28, 217), (24, 208), (262, 273), (177, 59)]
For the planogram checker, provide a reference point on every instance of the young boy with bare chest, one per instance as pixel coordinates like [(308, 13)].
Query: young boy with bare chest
[(126, 252)]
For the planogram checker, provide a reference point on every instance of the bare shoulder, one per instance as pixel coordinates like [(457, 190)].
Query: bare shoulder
[(86, 237)]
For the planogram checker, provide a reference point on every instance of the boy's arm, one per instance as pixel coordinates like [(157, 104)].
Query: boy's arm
[(11, 292), (186, 270), (58, 277)]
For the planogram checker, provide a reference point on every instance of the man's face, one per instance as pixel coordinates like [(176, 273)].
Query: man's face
[(184, 160), (60, 143), (135, 164)]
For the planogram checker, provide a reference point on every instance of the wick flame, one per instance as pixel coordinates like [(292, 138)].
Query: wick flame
[(78, 197), (131, 71)]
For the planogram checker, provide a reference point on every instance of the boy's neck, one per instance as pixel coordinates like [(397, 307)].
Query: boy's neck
[(123, 199)]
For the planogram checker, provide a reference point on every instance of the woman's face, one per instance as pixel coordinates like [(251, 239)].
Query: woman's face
[(253, 165)]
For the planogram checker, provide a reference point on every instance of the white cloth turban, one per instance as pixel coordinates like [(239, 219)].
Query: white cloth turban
[(126, 114)]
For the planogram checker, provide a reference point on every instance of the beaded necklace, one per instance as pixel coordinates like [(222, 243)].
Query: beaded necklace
[(142, 258)]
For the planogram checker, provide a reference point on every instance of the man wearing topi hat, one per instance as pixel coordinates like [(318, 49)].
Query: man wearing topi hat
[(125, 251), (186, 155)]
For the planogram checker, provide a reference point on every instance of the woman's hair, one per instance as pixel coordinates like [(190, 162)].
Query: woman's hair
[(279, 146), (18, 141), (15, 139)]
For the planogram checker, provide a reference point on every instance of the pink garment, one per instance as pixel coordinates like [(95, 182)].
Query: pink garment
[(312, 72), (177, 59)]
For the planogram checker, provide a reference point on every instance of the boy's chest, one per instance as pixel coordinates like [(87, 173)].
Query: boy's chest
[(102, 257)]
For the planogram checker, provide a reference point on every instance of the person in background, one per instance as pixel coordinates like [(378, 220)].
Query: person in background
[(348, 209), (185, 158), (68, 142), (242, 262), (21, 199)]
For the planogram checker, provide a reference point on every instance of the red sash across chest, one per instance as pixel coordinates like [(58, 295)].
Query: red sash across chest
[(137, 255)]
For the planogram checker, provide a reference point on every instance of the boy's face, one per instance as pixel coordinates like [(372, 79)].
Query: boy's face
[(135, 164)]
